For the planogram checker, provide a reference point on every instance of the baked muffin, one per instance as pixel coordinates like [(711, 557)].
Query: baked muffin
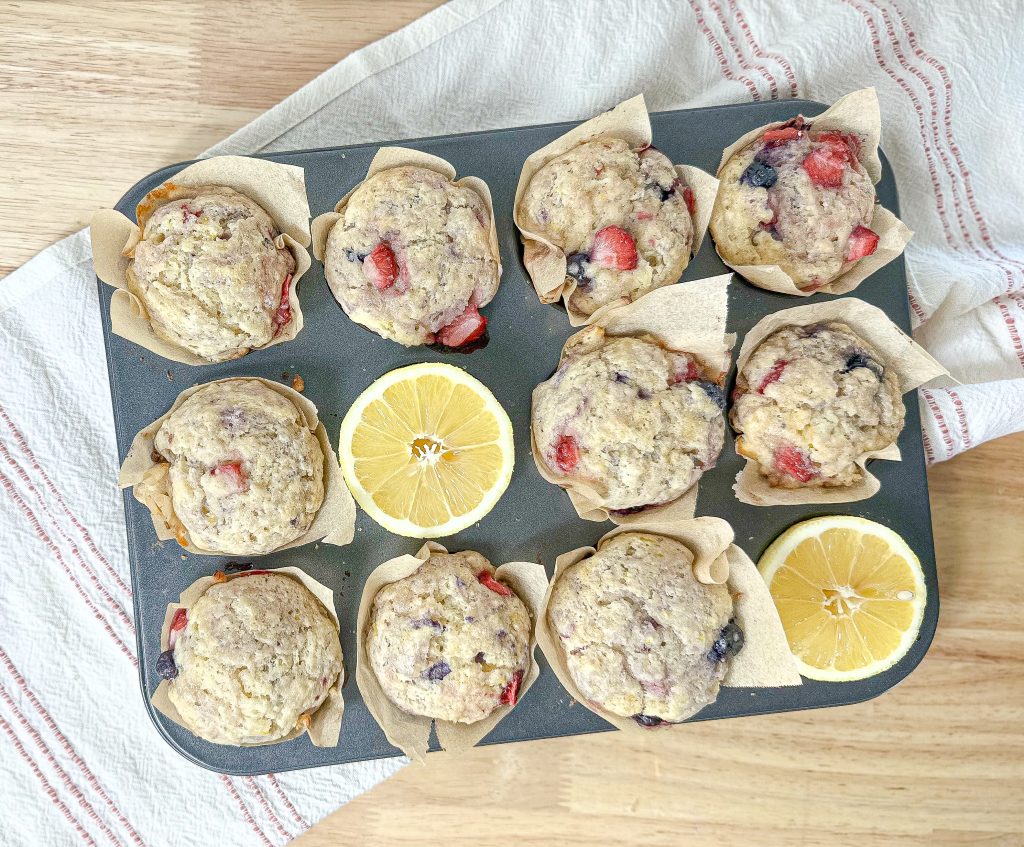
[(449, 641), (412, 260), (812, 399), (251, 660), (246, 475), (211, 274), (630, 418), (641, 637), (623, 218), (799, 199)]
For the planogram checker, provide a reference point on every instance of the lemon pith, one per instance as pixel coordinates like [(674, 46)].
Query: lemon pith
[(850, 594), (426, 450)]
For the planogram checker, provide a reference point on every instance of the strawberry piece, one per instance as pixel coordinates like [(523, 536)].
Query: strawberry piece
[(510, 693), (381, 267), (251, 573), (690, 199), (795, 463), (487, 580), (467, 327), (862, 242), (644, 216), (234, 474), (843, 144), (781, 135), (691, 373), (774, 375), (178, 623), (567, 453), (614, 248), (825, 167), (284, 309), (188, 216)]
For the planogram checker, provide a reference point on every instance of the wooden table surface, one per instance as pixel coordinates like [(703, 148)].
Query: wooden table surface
[(93, 97)]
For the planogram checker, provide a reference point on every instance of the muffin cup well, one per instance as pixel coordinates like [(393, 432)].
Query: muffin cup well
[(325, 723), (334, 522), (855, 112), (411, 733), (279, 189), (545, 262), (765, 660), (913, 365), (688, 317), (397, 157)]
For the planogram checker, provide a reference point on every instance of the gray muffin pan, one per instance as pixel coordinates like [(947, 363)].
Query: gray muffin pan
[(534, 520)]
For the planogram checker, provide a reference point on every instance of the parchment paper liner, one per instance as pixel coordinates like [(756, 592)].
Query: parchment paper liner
[(396, 157), (913, 365), (545, 262), (856, 112), (279, 189), (411, 733), (765, 660), (688, 317), (325, 724), (334, 522)]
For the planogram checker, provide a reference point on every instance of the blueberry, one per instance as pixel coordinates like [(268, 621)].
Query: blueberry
[(759, 174), (237, 567), (354, 256), (422, 622), (632, 510), (470, 619), (165, 665), (576, 267), (621, 377), (459, 582), (715, 392), (479, 658), (860, 359), (648, 720), (643, 394), (666, 193), (437, 671), (728, 643)]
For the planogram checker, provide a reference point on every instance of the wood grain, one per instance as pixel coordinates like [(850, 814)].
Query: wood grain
[(95, 95)]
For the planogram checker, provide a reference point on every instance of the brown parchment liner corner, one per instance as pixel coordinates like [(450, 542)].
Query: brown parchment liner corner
[(396, 157), (688, 317), (334, 522), (856, 112), (913, 365), (545, 262), (325, 725), (765, 660), (279, 189), (411, 733)]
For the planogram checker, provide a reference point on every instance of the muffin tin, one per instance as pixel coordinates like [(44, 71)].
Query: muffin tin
[(534, 521)]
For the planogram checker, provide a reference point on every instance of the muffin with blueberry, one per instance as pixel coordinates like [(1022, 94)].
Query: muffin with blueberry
[(251, 660), (213, 273), (639, 635), (245, 473), (797, 198), (810, 401), (411, 258), (450, 641), (623, 218), (629, 418)]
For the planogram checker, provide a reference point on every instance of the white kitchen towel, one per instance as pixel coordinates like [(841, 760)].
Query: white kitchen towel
[(79, 759)]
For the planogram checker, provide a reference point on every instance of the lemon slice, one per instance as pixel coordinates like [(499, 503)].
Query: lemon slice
[(426, 450), (850, 594)]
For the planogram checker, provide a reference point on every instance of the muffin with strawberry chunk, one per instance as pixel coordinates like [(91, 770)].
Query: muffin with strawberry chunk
[(246, 475), (622, 217), (411, 258), (810, 401), (449, 641), (629, 418), (252, 659), (640, 635), (799, 199), (213, 273)]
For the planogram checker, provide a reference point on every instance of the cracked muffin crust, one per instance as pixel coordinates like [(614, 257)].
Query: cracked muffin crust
[(449, 641), (630, 418), (622, 217), (246, 474), (255, 657), (411, 258), (799, 199), (211, 274), (641, 637), (812, 399)]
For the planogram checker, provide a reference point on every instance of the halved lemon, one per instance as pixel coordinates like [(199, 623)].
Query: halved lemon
[(850, 593), (426, 450)]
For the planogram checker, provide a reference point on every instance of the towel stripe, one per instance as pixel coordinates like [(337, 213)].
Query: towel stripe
[(261, 798), (716, 48), (773, 86), (256, 828), (299, 819), (787, 68)]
